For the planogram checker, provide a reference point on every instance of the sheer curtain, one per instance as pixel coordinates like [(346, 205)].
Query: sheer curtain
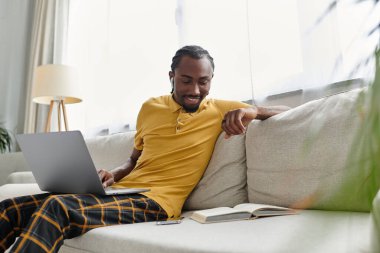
[(123, 50), (277, 46), (31, 35), (47, 46), (221, 27), (329, 44)]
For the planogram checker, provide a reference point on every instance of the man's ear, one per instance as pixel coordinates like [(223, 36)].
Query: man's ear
[(172, 82), (171, 77)]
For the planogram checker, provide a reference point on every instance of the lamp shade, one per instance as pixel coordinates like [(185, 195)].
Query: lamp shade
[(56, 82)]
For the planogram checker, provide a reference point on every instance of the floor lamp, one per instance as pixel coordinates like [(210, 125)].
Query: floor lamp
[(56, 85)]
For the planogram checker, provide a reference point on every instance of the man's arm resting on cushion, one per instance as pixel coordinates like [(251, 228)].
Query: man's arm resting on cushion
[(236, 121), (109, 177), (264, 112)]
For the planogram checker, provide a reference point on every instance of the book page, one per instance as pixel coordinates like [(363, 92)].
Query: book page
[(218, 211), (220, 214), (239, 212), (251, 207)]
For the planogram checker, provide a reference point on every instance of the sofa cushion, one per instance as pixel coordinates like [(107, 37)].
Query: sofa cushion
[(107, 152), (110, 151), (11, 162), (298, 158), (16, 190), (310, 231), (21, 177), (224, 181), (223, 184)]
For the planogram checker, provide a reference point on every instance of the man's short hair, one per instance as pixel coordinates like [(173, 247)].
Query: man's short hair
[(193, 51)]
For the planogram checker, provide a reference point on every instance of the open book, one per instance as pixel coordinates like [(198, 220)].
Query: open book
[(239, 212)]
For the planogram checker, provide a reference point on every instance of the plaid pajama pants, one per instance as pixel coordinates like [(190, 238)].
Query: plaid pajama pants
[(43, 221)]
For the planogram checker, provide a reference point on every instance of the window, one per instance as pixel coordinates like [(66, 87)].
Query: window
[(124, 49)]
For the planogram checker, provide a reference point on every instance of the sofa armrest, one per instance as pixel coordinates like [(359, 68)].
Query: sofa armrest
[(11, 162), (375, 223), (22, 177)]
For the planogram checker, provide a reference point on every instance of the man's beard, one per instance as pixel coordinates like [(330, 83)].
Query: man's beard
[(190, 109)]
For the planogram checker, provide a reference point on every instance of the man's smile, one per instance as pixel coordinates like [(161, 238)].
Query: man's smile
[(192, 99)]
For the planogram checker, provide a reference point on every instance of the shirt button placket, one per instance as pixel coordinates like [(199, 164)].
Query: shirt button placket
[(179, 125)]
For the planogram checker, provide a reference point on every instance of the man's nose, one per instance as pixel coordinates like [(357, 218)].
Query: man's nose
[(195, 88)]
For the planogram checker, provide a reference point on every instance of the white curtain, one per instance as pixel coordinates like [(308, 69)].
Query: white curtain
[(49, 30), (123, 50), (221, 27), (332, 44), (270, 47)]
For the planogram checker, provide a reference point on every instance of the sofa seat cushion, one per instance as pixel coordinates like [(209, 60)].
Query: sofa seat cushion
[(308, 231)]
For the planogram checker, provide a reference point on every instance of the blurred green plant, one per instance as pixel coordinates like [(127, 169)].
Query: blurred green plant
[(363, 175), (364, 162), (369, 135), (362, 181), (5, 140)]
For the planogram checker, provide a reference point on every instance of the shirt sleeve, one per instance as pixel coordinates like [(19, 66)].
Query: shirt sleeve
[(139, 136)]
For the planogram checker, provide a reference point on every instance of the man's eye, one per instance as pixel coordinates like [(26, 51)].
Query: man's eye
[(186, 81), (203, 82)]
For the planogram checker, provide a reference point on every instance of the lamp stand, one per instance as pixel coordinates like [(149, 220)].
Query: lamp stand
[(61, 108)]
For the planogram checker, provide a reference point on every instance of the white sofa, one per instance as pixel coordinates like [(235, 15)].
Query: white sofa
[(297, 158)]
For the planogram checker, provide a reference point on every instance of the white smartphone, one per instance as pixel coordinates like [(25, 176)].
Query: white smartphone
[(168, 222)]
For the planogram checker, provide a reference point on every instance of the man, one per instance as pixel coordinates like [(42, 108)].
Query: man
[(174, 141)]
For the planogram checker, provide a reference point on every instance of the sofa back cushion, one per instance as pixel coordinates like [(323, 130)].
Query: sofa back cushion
[(223, 183), (225, 179), (298, 158), (110, 151), (10, 163)]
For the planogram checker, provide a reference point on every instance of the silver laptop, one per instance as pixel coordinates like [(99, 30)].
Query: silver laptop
[(61, 163)]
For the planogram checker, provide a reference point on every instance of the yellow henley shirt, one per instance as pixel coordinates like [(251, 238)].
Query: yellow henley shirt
[(176, 148)]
